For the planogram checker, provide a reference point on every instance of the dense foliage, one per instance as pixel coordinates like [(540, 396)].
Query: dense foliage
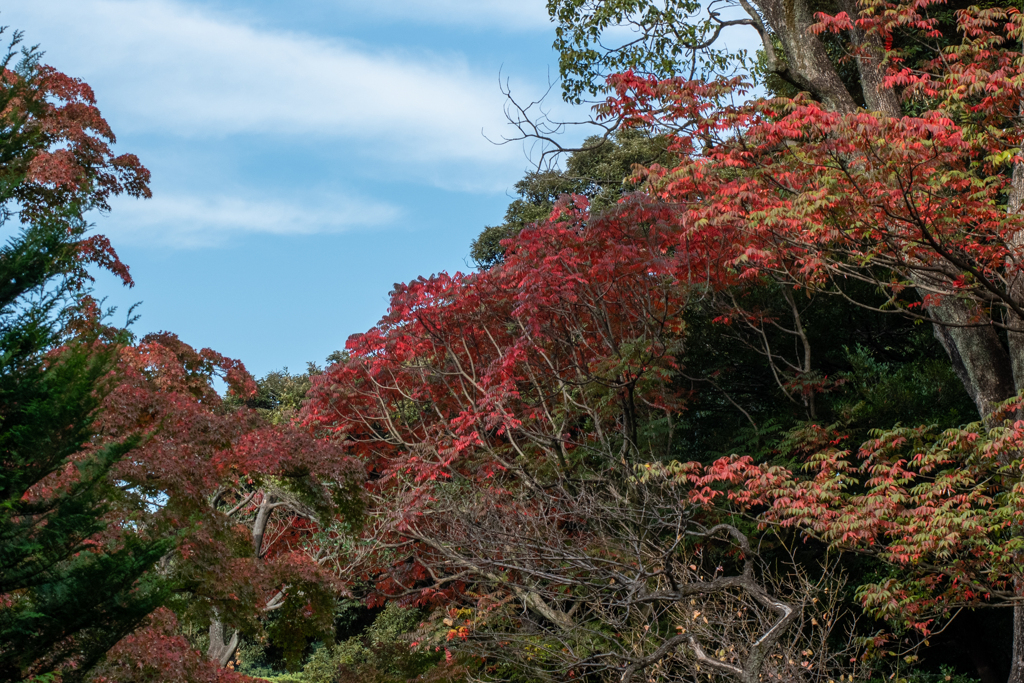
[(544, 437), (736, 394), (128, 484)]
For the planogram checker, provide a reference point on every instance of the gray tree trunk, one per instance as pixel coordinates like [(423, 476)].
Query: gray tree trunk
[(221, 649)]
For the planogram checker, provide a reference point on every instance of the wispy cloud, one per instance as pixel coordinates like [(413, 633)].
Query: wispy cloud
[(190, 86), (170, 67), (516, 15), (185, 221)]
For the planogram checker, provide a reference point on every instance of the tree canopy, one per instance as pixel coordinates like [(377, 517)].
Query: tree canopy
[(875, 195), (737, 393)]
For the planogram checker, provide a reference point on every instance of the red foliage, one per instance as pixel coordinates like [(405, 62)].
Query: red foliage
[(156, 654), (545, 361), (77, 156), (60, 157), (200, 474), (195, 450)]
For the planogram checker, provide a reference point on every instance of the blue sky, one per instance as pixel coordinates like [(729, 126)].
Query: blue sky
[(305, 155)]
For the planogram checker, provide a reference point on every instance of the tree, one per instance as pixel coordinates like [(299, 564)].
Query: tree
[(248, 504), (921, 201), (890, 77), (64, 601), (501, 417), (291, 505), (920, 194), (668, 38), (600, 170), (485, 388), (158, 653), (124, 473)]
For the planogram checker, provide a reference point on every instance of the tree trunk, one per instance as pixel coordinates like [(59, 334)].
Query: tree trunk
[(222, 651), (804, 63), (1016, 338), (1016, 344), (870, 52), (259, 527), (1017, 662), (977, 354)]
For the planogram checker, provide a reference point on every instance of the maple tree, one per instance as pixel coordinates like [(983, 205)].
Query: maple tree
[(959, 83), (924, 205), (919, 197), (158, 653), (478, 389), (495, 412), (254, 501), (57, 162)]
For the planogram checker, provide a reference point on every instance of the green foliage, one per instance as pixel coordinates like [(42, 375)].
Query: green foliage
[(381, 654), (254, 662), (924, 390), (672, 40), (895, 372), (600, 171), (280, 393), (945, 674), (264, 657), (67, 601), (295, 624)]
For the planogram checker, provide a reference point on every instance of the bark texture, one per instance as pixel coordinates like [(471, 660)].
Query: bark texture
[(222, 648)]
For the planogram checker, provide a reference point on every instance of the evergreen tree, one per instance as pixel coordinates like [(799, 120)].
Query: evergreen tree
[(67, 599), (67, 591)]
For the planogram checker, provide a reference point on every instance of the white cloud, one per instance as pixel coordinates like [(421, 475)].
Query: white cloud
[(166, 67), (184, 221), (174, 78), (515, 15)]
